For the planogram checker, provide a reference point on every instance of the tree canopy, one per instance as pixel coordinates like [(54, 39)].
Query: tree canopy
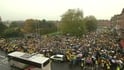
[(2, 28), (90, 23), (47, 27), (38, 26), (29, 26), (72, 22), (13, 32)]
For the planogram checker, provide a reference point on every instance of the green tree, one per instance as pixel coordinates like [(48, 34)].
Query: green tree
[(13, 32), (90, 23), (13, 24), (2, 28), (29, 26), (72, 22), (38, 27), (47, 27)]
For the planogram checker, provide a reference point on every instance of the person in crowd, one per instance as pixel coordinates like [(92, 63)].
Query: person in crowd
[(101, 49)]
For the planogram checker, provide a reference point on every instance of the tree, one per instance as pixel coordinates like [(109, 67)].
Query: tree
[(38, 27), (72, 22), (47, 27), (13, 32), (13, 24), (90, 23), (29, 26), (2, 28)]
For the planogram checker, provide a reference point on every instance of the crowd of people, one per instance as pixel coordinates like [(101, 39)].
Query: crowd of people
[(99, 49)]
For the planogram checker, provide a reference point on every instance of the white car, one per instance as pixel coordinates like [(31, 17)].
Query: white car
[(57, 57)]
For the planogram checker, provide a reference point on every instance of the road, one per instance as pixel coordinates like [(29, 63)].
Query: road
[(4, 61), (4, 65), (63, 66)]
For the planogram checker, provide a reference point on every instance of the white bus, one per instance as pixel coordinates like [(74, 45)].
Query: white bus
[(25, 61)]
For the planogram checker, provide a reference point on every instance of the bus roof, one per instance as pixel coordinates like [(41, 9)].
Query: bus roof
[(37, 58)]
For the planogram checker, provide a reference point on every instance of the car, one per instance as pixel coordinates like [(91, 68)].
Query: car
[(57, 57)]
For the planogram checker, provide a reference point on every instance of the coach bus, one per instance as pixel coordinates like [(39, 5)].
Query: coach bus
[(25, 61)]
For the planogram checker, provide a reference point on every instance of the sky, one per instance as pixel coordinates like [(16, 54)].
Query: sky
[(53, 9)]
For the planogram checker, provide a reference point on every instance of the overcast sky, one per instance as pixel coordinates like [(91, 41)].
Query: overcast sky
[(53, 9)]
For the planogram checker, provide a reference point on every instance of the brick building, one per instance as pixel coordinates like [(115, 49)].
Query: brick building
[(118, 23), (103, 25)]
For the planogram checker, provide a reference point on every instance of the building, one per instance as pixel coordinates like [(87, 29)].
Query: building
[(118, 24), (103, 25)]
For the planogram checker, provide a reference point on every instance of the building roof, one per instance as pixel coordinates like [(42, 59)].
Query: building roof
[(122, 11), (104, 23)]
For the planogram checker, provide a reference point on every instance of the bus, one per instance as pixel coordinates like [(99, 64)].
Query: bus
[(26, 61)]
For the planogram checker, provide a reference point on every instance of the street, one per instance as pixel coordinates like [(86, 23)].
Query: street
[(4, 61), (4, 65)]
